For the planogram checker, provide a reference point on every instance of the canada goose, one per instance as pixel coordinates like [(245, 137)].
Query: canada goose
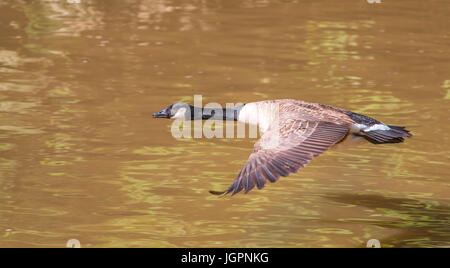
[(303, 131)]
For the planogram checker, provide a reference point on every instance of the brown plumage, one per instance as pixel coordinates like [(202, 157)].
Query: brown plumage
[(294, 132), (304, 131)]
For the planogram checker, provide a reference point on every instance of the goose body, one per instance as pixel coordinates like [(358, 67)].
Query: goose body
[(293, 133)]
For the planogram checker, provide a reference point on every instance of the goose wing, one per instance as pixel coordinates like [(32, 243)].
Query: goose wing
[(284, 150)]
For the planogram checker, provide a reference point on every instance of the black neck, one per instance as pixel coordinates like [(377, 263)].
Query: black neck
[(230, 114)]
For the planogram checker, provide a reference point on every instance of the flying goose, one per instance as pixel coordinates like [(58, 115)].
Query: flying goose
[(293, 132)]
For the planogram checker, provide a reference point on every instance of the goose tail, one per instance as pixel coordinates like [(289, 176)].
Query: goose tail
[(394, 134)]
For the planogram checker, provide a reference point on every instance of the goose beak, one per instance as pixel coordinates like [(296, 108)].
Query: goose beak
[(161, 114)]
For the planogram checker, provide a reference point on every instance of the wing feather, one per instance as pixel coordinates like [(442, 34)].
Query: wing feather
[(299, 141)]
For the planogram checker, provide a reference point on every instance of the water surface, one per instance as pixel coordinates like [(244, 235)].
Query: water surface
[(81, 157)]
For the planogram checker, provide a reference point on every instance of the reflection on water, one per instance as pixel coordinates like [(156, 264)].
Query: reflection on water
[(81, 157), (419, 222)]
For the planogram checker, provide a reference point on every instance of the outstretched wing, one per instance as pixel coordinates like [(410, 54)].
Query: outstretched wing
[(285, 150)]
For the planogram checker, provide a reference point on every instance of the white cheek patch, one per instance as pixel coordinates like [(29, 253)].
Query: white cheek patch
[(181, 114)]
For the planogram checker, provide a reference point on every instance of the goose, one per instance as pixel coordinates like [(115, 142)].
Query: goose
[(300, 131)]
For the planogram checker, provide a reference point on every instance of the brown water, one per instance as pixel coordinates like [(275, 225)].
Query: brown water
[(81, 157)]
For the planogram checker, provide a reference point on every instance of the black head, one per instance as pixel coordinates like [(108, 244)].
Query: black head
[(175, 111)]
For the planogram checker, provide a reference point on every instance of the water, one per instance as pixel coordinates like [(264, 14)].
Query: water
[(81, 158)]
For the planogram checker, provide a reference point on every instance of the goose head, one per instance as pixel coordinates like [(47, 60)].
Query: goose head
[(175, 111)]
